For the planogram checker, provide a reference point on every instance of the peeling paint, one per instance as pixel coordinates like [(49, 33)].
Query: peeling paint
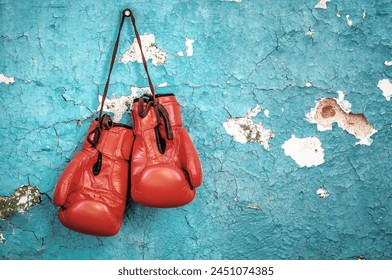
[(23, 198), (6, 80), (2, 239), (266, 113), (386, 86), (388, 63), (322, 4), (244, 129), (117, 106), (349, 21), (308, 84), (150, 50), (330, 110), (322, 192), (304, 151), (254, 207), (310, 33)]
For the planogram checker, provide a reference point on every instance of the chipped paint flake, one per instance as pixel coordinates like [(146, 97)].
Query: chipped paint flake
[(310, 33), (386, 86), (6, 80), (331, 110), (2, 239), (180, 53), (349, 21), (245, 130), (304, 151), (322, 4), (150, 50), (388, 63), (189, 46), (308, 84), (338, 14), (267, 113), (254, 207), (322, 192), (23, 198)]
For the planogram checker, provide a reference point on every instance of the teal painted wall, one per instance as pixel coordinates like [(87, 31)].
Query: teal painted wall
[(254, 203)]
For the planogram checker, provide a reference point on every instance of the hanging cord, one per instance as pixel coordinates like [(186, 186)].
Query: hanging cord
[(160, 110), (104, 122)]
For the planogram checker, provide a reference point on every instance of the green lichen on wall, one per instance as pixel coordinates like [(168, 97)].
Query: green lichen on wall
[(23, 198)]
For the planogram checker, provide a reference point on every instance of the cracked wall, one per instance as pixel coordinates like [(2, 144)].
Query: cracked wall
[(221, 59)]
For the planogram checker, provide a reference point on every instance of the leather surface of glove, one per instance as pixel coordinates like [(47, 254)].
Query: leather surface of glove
[(92, 190), (165, 166)]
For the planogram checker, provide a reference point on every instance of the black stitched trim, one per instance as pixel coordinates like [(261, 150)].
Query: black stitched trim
[(97, 166), (161, 142)]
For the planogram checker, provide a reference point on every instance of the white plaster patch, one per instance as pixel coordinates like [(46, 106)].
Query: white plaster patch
[(118, 106), (310, 33), (6, 80), (266, 113), (245, 130), (304, 151), (2, 239), (308, 84), (344, 104), (162, 85), (363, 15), (322, 4), (181, 53), (388, 63), (386, 86), (322, 192), (150, 50), (349, 21), (254, 207), (338, 14), (189, 46)]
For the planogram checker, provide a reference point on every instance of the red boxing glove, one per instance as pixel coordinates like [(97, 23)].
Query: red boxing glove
[(92, 191), (165, 166)]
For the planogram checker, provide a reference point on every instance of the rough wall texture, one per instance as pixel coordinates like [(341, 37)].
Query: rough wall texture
[(329, 200)]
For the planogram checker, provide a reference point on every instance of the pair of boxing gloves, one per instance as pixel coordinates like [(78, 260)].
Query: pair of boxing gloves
[(156, 158)]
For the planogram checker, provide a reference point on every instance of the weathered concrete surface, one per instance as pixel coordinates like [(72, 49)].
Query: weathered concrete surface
[(254, 203)]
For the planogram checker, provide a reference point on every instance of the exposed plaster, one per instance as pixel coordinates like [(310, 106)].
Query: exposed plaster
[(150, 50), (388, 63), (254, 207), (2, 239), (244, 129), (331, 110), (120, 105), (304, 151), (322, 4), (349, 21), (310, 33), (189, 46), (23, 198), (386, 86), (266, 113), (6, 80), (322, 192)]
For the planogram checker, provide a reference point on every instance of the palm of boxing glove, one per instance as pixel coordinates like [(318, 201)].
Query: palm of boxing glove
[(95, 204), (163, 179)]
